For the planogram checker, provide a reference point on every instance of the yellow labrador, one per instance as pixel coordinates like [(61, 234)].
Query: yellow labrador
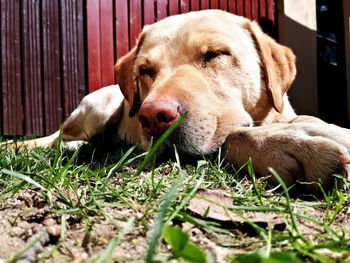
[(232, 80)]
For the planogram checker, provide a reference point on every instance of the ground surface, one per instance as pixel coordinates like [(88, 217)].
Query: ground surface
[(58, 206)]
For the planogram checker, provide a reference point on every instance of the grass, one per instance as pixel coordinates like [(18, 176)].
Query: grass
[(108, 208)]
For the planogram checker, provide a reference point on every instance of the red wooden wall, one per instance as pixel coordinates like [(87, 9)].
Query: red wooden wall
[(54, 51), (114, 25), (42, 56)]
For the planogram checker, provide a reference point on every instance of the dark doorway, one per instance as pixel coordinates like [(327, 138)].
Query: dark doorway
[(331, 62)]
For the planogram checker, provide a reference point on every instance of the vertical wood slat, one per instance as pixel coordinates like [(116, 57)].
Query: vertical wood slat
[(148, 12), (195, 5), (122, 27), (184, 6), (232, 6), (106, 38), (240, 7), (51, 66), (161, 9), (11, 68), (93, 45), (271, 10), (173, 7), (135, 21), (214, 4), (80, 20), (16, 61), (204, 4), (70, 55), (255, 9), (1, 63), (32, 75), (66, 43), (223, 5), (262, 9), (247, 9)]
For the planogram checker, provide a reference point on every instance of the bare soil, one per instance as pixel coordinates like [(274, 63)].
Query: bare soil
[(72, 239)]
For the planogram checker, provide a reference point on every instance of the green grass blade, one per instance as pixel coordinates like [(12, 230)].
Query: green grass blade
[(157, 226), (186, 199), (252, 178), (122, 161), (24, 178), (288, 201), (156, 146), (63, 170)]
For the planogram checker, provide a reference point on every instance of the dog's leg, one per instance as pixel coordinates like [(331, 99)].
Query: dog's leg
[(306, 149), (95, 112)]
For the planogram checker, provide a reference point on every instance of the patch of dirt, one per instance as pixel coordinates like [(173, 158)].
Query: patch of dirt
[(21, 219), (26, 215)]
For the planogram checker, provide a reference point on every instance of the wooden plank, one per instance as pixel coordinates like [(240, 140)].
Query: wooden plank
[(148, 12), (223, 5), (69, 56), (184, 6), (195, 5), (66, 56), (205, 4), (214, 4), (161, 9), (255, 10), (17, 82), (240, 7), (271, 10), (248, 9), (93, 44), (4, 77), (173, 7), (1, 106), (232, 6), (74, 47), (135, 21), (11, 59), (5, 51), (122, 27), (32, 75), (262, 9), (106, 43), (69, 104), (51, 66), (82, 49)]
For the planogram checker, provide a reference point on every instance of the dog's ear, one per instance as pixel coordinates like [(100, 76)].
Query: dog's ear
[(125, 78), (278, 64)]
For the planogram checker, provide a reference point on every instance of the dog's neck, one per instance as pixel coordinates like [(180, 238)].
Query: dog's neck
[(274, 116), (263, 111)]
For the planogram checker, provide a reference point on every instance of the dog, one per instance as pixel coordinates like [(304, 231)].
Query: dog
[(231, 80)]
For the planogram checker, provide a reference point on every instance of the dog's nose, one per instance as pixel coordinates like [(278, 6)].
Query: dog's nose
[(158, 115)]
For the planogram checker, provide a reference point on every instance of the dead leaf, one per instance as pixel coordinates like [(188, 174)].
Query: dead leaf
[(211, 204)]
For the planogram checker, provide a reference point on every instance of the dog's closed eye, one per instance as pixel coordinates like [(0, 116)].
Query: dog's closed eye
[(211, 55), (147, 72)]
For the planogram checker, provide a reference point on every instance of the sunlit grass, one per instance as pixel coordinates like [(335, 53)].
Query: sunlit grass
[(84, 184)]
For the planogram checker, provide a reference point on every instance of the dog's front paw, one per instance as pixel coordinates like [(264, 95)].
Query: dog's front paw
[(299, 151)]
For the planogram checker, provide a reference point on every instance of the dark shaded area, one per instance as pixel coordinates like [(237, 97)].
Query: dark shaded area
[(331, 62), (302, 40)]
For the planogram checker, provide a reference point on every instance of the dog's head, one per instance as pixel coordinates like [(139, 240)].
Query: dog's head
[(219, 68)]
